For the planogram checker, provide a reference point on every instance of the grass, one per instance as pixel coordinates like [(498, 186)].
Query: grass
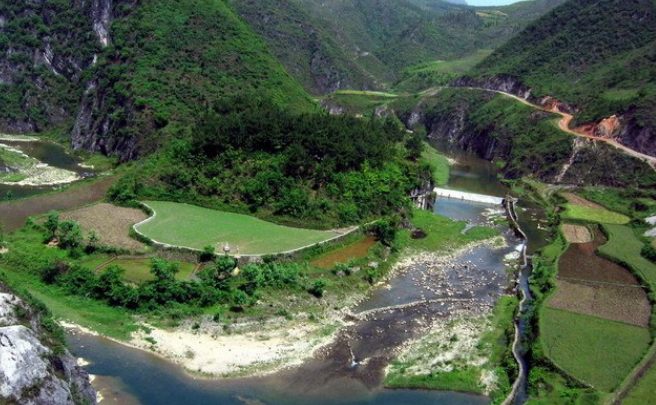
[(587, 214), (196, 227), (596, 351), (109, 321), (464, 380), (439, 164), (624, 246), (442, 233)]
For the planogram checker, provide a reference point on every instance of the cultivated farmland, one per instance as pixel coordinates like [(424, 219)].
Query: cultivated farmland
[(596, 351), (111, 223), (196, 227), (622, 303)]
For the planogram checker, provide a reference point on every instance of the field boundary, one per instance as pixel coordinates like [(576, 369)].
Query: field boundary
[(248, 257)]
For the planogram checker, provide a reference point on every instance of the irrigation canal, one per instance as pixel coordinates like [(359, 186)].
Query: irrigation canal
[(349, 370)]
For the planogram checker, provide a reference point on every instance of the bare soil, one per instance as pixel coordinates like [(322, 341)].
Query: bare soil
[(577, 233), (581, 263), (111, 223), (354, 251), (580, 201), (14, 213), (628, 304)]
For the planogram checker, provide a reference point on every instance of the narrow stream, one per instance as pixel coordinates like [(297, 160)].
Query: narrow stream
[(351, 369)]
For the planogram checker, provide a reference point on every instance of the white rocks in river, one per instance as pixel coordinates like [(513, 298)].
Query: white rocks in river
[(30, 373)]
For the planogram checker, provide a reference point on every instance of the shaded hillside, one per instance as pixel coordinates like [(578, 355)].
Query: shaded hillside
[(599, 56), (158, 63), (309, 51)]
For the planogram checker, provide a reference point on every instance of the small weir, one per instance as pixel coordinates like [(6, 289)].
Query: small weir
[(461, 195)]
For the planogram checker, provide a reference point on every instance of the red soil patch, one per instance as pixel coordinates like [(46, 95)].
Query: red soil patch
[(580, 262), (354, 251)]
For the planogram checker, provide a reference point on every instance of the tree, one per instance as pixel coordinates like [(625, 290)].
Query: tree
[(69, 235), (207, 254), (318, 288), (414, 146), (52, 223)]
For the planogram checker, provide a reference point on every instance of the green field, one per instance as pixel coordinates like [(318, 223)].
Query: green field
[(195, 227), (587, 214), (594, 350), (623, 245), (137, 270)]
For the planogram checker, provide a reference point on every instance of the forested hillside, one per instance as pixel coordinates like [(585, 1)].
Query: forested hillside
[(249, 155), (366, 44), (599, 56)]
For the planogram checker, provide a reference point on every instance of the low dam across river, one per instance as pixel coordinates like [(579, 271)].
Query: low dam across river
[(461, 195)]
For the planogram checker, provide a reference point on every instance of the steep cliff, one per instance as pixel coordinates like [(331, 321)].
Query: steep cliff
[(524, 140), (45, 47), (36, 369)]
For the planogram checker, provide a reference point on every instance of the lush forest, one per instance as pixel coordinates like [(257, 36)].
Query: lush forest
[(249, 155)]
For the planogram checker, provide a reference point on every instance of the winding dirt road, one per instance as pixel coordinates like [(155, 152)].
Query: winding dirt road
[(564, 125)]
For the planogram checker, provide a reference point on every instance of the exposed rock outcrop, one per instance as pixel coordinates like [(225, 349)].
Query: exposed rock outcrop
[(34, 369), (506, 83)]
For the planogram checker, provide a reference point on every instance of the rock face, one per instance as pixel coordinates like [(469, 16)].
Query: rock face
[(31, 372), (506, 83)]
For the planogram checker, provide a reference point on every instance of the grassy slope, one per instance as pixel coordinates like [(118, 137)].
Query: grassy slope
[(595, 54), (588, 214), (439, 164), (580, 344), (196, 227)]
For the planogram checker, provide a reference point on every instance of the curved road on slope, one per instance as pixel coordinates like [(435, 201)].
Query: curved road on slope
[(566, 119)]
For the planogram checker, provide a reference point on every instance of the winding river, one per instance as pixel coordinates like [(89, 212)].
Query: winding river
[(349, 370)]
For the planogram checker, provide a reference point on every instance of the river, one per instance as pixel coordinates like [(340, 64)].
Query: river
[(349, 370)]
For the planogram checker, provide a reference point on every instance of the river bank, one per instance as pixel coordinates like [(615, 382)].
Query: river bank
[(206, 348)]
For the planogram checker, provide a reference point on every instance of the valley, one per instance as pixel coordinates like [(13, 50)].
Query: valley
[(327, 202)]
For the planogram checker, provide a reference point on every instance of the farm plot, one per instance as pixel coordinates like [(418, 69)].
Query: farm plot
[(577, 233), (581, 263), (622, 303), (588, 214), (581, 202), (625, 247), (594, 350), (355, 250), (111, 223), (196, 227)]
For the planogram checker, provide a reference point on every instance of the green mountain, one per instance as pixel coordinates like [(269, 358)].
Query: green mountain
[(124, 75), (598, 56), (367, 44)]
